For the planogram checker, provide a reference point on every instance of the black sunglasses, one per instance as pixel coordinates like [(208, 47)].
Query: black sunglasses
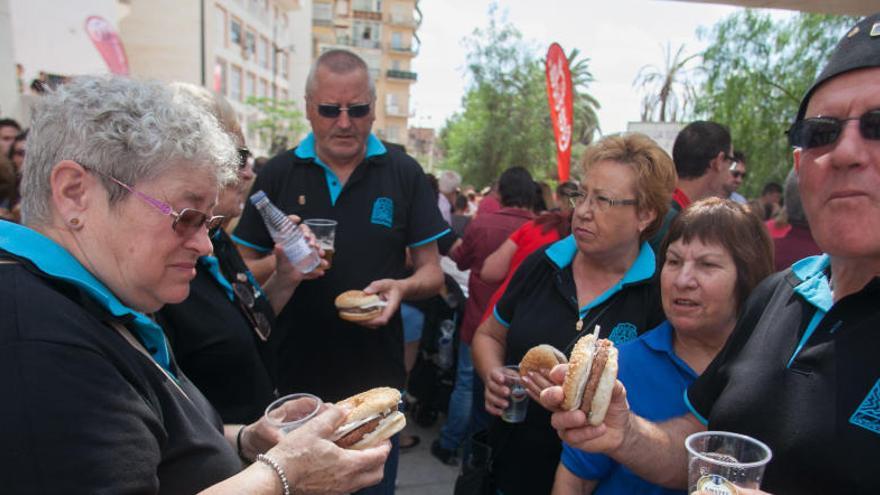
[(738, 175), (822, 131), (243, 155), (247, 298), (333, 111)]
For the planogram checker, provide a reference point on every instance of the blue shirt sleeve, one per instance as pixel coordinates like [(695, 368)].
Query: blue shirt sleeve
[(586, 465)]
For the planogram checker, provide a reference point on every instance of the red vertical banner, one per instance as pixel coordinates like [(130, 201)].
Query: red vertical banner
[(561, 109), (108, 44)]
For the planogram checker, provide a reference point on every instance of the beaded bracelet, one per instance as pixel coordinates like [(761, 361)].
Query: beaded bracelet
[(285, 485)]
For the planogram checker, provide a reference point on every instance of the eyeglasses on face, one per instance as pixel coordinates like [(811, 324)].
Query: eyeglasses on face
[(822, 131), (332, 111), (243, 155), (738, 175), (19, 152), (185, 222), (597, 201)]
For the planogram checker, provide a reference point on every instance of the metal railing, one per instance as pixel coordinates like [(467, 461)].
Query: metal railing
[(402, 74)]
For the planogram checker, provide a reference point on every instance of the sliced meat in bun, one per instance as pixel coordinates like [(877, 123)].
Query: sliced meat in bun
[(592, 371), (373, 418), (541, 357), (357, 305)]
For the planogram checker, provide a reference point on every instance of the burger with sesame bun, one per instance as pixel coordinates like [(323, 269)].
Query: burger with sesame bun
[(592, 371)]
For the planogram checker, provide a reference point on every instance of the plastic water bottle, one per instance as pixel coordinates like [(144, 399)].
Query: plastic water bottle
[(445, 351), (286, 233)]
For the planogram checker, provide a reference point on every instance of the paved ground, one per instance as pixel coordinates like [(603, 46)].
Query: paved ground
[(419, 472)]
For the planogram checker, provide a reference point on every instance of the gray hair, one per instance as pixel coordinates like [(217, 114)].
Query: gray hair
[(338, 62), (794, 209), (130, 130), (213, 103), (448, 181)]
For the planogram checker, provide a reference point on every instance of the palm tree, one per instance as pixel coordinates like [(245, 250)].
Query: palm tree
[(667, 87), (586, 120)]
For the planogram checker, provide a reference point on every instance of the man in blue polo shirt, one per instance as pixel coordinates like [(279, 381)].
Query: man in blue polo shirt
[(383, 204)]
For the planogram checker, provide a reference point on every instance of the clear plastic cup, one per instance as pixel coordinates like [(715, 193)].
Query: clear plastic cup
[(518, 400), (292, 411), (719, 462), (325, 233)]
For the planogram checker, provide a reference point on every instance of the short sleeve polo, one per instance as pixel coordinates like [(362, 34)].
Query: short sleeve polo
[(800, 373), (384, 207)]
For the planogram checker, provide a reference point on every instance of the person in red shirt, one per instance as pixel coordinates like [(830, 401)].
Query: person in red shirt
[(483, 235), (797, 243)]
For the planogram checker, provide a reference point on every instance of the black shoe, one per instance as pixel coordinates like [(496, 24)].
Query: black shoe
[(408, 442), (445, 456)]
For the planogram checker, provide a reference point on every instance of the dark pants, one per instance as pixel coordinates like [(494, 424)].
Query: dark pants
[(386, 486)]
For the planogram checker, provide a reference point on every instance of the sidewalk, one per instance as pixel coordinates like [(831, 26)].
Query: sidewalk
[(419, 473)]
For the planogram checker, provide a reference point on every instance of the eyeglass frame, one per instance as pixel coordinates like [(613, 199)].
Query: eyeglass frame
[(336, 108), (594, 201), (210, 222), (244, 153), (793, 133)]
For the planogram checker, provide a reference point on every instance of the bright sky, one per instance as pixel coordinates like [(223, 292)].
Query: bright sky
[(619, 37)]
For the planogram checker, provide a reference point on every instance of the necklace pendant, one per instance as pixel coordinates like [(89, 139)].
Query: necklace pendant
[(579, 326)]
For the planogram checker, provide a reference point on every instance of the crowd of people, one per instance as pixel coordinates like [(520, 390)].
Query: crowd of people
[(150, 317)]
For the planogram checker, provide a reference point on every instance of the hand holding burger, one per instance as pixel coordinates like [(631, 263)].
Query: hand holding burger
[(589, 381), (358, 306), (372, 418), (535, 368)]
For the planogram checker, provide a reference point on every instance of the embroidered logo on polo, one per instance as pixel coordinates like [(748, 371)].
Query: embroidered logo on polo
[(868, 414), (622, 333), (383, 212)]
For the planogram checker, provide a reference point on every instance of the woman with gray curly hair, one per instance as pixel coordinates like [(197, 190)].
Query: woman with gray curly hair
[(118, 189)]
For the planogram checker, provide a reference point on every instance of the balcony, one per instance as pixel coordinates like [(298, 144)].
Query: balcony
[(368, 15), (319, 21), (395, 111), (402, 74), (402, 21), (403, 50), (358, 42)]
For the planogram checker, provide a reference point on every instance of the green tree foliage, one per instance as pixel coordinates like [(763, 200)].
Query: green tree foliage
[(757, 69), (279, 124), (505, 118)]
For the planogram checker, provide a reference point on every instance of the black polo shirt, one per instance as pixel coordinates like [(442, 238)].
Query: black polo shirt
[(84, 411), (214, 340), (386, 206), (802, 374), (540, 307)]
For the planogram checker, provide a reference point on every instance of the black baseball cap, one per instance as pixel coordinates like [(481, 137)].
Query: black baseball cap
[(858, 49)]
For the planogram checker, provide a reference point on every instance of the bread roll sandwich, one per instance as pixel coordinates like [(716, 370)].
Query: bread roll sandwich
[(592, 371), (373, 418), (357, 305), (541, 358)]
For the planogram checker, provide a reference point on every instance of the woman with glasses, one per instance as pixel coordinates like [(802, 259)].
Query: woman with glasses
[(715, 253), (602, 274), (120, 183), (222, 334)]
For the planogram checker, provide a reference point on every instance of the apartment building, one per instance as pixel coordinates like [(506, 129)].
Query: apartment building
[(238, 48), (383, 33)]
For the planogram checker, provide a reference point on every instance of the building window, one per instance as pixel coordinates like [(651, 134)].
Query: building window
[(263, 89), (392, 133), (250, 83), (396, 41), (284, 57), (220, 76), (263, 52), (235, 83), (368, 5), (322, 12), (235, 31), (250, 44), (395, 65), (342, 7), (220, 20), (391, 104), (367, 34)]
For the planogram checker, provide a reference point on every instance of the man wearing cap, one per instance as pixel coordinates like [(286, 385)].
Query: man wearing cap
[(384, 206), (800, 372)]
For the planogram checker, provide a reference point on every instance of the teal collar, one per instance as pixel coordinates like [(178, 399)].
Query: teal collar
[(562, 252), (814, 287), (306, 150), (53, 260)]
